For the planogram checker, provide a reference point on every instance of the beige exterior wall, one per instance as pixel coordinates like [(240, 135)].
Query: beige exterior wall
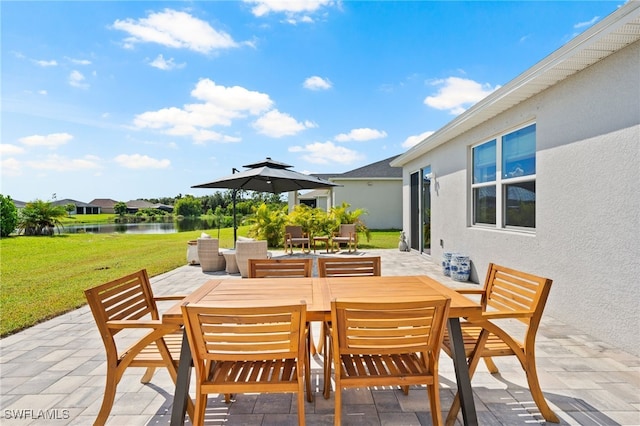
[(587, 236), (381, 198)]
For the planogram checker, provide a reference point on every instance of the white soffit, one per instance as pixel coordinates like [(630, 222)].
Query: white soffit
[(613, 33)]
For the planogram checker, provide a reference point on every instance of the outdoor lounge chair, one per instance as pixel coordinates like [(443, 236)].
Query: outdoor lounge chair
[(341, 267), (128, 303), (293, 236), (246, 250), (346, 235), (507, 294), (288, 268), (280, 268), (246, 350), (388, 343), (209, 255)]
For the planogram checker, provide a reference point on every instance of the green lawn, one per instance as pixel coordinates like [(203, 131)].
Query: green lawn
[(41, 277)]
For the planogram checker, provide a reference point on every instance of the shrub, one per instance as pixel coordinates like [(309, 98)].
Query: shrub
[(40, 218), (8, 216), (268, 224), (188, 207)]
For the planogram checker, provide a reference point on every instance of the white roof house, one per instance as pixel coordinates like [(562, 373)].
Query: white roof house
[(375, 188), (543, 175)]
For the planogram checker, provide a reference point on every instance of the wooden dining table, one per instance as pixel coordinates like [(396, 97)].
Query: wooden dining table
[(317, 294)]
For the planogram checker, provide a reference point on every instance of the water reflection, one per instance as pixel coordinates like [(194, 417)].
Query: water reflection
[(184, 225)]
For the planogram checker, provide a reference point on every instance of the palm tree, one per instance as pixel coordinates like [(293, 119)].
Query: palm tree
[(40, 218)]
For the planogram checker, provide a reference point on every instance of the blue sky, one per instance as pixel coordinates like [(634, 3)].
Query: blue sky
[(128, 100)]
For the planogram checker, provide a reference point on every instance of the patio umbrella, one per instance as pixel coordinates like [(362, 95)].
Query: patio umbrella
[(265, 176)]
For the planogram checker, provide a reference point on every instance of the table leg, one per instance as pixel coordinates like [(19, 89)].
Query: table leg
[(181, 394), (462, 373)]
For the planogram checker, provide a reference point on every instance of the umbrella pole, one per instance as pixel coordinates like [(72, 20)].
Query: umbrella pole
[(235, 227)]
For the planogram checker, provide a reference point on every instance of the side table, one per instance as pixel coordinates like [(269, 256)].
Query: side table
[(232, 264), (324, 239)]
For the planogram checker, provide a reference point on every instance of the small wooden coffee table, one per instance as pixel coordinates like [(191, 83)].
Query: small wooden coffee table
[(324, 239)]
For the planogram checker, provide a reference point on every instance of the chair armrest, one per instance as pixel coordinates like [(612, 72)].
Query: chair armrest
[(502, 315), (152, 324), (469, 291), (170, 297)]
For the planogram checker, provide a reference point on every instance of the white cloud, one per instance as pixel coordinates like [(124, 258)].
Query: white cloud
[(277, 124), (11, 167), (363, 134), (8, 149), (51, 63), (234, 98), (457, 94), (221, 106), (317, 83), (587, 23), (175, 29), (79, 61), (52, 140), (416, 139), (164, 64), (191, 115), (76, 79), (327, 153), (63, 164), (294, 10), (42, 92), (263, 7), (137, 161)]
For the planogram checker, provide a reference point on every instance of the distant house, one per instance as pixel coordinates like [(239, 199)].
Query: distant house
[(106, 204), (542, 175), (81, 207), (376, 188), (134, 205), (19, 204)]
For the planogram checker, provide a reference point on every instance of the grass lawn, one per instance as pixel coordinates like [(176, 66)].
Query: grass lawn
[(41, 277)]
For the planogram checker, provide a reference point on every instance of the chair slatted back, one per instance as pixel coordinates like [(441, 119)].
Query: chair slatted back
[(347, 229), (245, 334), (126, 298), (389, 328), (349, 266), (285, 268), (294, 231), (509, 290)]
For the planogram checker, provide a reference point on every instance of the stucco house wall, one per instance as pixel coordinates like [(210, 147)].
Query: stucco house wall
[(587, 235), (381, 198)]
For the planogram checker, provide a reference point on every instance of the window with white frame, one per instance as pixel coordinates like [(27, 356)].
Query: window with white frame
[(504, 180)]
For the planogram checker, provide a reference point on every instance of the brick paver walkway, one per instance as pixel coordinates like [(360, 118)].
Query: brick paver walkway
[(53, 373)]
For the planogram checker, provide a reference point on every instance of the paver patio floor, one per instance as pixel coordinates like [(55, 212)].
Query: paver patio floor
[(53, 373)]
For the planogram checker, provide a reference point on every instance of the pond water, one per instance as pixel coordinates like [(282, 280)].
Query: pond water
[(139, 228)]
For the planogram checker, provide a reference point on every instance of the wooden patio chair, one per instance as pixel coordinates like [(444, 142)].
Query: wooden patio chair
[(388, 343), (293, 236), (349, 266), (284, 268), (246, 350), (128, 303), (348, 235), (287, 268), (341, 267), (507, 294)]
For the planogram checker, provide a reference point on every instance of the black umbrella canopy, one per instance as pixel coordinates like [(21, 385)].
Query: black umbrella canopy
[(268, 176)]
